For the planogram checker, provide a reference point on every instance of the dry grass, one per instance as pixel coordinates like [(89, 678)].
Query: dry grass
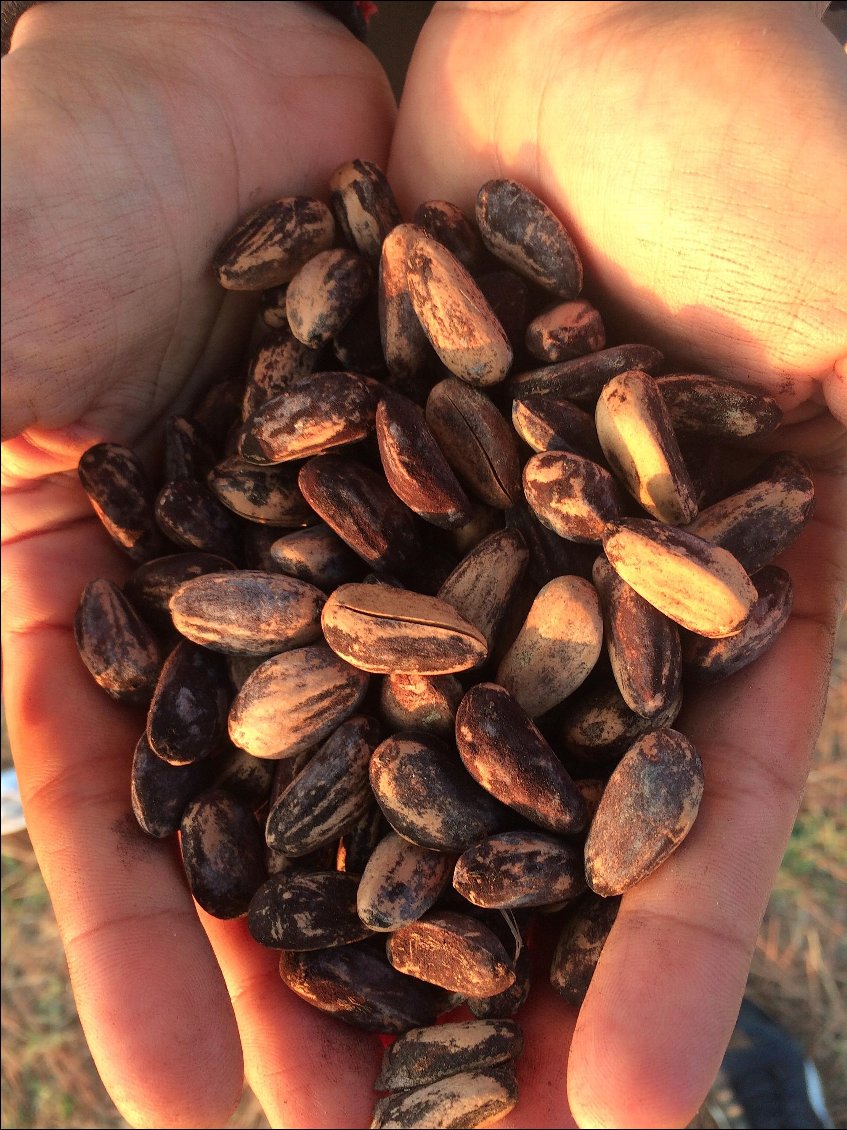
[(799, 972)]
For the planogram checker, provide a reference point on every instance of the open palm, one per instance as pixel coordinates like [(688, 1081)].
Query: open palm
[(653, 135)]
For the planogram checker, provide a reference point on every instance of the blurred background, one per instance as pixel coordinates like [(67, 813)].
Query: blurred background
[(799, 972)]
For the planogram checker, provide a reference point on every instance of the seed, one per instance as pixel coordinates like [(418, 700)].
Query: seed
[(390, 631), (364, 205), (404, 343), (160, 792), (647, 810), (508, 1003), (426, 1054), (582, 379), (222, 853), (324, 294), (117, 647), (454, 951), (522, 231), (421, 702), (400, 882), (580, 944), (716, 408), (187, 716), (484, 582), (306, 912), (572, 495), (551, 423), (568, 330), (599, 727), (268, 495), (152, 585), (520, 869), (471, 1098), (271, 244), (279, 361), (192, 517), (117, 486), (316, 555)]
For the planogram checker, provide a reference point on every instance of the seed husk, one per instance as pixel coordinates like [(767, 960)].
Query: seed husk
[(306, 911), (483, 583), (643, 644), (523, 232), (118, 648), (248, 612), (222, 852), (118, 489), (271, 244), (364, 205), (574, 496), (389, 631), (317, 555), (400, 882), (636, 433), (707, 406), (557, 647), (329, 795), (760, 521), (421, 702), (454, 951), (647, 810), (268, 495), (356, 984), (471, 1098), (505, 753), (293, 701), (700, 586), (455, 315), (551, 423), (325, 293), (279, 361), (192, 517), (582, 379), (520, 869), (581, 940), (426, 1054), (187, 716), (477, 442), (427, 797), (359, 506), (308, 418), (707, 661)]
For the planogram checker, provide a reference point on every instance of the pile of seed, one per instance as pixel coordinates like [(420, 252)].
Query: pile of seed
[(372, 594)]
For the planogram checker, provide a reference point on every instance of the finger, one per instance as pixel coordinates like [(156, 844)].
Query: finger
[(666, 993), (150, 996), (306, 1068)]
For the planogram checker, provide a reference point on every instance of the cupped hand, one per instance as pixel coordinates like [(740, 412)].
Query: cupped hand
[(696, 153), (135, 136)]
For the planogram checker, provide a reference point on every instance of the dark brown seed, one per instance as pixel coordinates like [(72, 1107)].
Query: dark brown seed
[(572, 495), (580, 944), (478, 443), (329, 795), (218, 409), (364, 205), (557, 646), (257, 541), (568, 330), (707, 661), (599, 727), (455, 315), (449, 225), (160, 792), (388, 631), (508, 295), (661, 779), (324, 293), (549, 555), (271, 244), (268, 495), (316, 555), (551, 423), (272, 307), (400, 882), (505, 753), (591, 790), (483, 583), (358, 843), (357, 346), (427, 796), (415, 466), (511, 1000), (757, 523), (246, 777), (356, 984), (404, 343), (582, 379), (454, 951), (119, 650), (152, 585), (310, 417), (120, 492), (222, 853), (358, 505), (293, 701), (700, 586), (711, 407), (643, 645), (636, 433), (248, 612), (426, 1054), (187, 718), (188, 453), (471, 1098), (522, 231), (306, 911), (280, 361), (520, 869), (192, 517), (420, 702)]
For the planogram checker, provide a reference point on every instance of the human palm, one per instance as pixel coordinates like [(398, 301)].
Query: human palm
[(669, 143)]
